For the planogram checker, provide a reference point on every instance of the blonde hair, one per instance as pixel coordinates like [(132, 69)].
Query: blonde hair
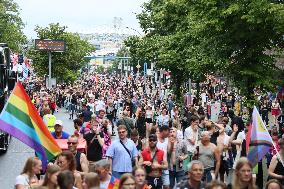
[(29, 165), (94, 118), (236, 179)]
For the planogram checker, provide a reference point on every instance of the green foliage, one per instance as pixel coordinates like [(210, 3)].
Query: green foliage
[(100, 69), (11, 25), (112, 68), (238, 39), (64, 64)]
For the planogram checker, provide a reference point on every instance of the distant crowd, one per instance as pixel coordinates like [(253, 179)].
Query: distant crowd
[(137, 136)]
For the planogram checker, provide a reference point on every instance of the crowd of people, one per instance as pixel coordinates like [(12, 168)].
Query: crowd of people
[(138, 137)]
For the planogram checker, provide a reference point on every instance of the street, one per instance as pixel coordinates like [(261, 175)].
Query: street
[(12, 162)]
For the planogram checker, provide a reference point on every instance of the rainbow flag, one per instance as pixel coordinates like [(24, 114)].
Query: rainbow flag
[(113, 183), (260, 139), (20, 119)]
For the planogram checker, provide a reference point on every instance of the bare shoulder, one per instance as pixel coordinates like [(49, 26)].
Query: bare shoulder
[(213, 146), (77, 175)]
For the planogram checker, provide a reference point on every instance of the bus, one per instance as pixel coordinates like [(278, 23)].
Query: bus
[(7, 83)]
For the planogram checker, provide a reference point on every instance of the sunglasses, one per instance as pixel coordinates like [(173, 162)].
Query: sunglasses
[(72, 143), (121, 132), (152, 140)]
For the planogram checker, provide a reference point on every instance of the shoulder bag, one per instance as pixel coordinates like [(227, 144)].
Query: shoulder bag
[(132, 160)]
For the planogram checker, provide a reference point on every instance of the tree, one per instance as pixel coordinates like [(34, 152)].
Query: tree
[(11, 25), (167, 43), (65, 65), (241, 34), (194, 38)]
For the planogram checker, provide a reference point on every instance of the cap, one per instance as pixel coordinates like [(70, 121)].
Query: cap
[(153, 136), (58, 122)]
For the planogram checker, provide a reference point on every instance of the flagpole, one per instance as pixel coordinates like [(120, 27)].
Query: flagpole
[(277, 153)]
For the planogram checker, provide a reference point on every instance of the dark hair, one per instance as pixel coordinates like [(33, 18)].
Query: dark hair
[(163, 128), (70, 158), (66, 179), (153, 136), (201, 117), (231, 113), (194, 118), (134, 132), (78, 122), (225, 120)]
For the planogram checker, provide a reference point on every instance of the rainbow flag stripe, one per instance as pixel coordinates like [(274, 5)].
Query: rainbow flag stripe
[(20, 119), (114, 183), (259, 139)]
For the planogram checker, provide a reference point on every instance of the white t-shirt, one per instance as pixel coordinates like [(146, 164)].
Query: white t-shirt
[(23, 180), (188, 134), (100, 105), (92, 106), (241, 136), (179, 134), (164, 146), (104, 185)]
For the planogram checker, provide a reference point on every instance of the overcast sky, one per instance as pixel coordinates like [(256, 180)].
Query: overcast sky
[(84, 16)]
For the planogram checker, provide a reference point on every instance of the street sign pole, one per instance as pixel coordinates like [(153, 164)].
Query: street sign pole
[(49, 46), (49, 69)]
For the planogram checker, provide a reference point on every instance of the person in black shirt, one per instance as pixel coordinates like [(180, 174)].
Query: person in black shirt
[(95, 142), (81, 160), (214, 129), (135, 138), (87, 114)]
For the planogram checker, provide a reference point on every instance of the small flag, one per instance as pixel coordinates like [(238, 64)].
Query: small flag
[(20, 119), (260, 139), (114, 183)]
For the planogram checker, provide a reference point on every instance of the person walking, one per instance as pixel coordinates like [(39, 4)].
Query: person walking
[(177, 151), (154, 161), (95, 142), (122, 153), (208, 154)]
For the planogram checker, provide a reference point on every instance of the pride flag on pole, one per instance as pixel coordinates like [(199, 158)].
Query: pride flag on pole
[(260, 139), (20, 119)]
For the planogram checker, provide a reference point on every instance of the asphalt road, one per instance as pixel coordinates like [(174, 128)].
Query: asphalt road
[(12, 162)]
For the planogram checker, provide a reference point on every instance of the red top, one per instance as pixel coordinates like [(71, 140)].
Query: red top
[(146, 154)]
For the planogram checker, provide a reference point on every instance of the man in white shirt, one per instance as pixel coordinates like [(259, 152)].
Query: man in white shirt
[(162, 144), (91, 104), (191, 136), (100, 104)]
